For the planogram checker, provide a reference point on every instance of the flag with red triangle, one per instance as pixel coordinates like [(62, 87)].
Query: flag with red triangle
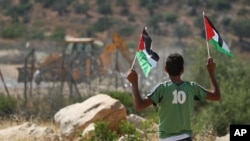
[(146, 57), (214, 38)]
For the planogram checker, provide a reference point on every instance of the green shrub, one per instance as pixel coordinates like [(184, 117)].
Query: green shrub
[(81, 8), (239, 28), (122, 3), (58, 34), (232, 76), (129, 130), (181, 31), (226, 21), (105, 8), (126, 129), (243, 12), (102, 24), (103, 133), (170, 18), (126, 30), (35, 34), (13, 31), (7, 105), (221, 4), (124, 11), (131, 18), (4, 4)]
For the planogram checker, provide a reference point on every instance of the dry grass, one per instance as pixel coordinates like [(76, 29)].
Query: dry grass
[(16, 120)]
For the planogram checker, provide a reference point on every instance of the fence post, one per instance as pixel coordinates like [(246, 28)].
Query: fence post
[(26, 75), (5, 87)]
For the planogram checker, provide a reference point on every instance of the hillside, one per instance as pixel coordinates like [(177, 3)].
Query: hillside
[(172, 25), (43, 21)]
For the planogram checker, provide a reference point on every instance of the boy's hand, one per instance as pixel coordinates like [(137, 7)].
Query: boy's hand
[(132, 76), (210, 65)]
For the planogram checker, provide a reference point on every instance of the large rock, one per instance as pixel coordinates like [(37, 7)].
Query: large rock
[(223, 138), (73, 119), (28, 132)]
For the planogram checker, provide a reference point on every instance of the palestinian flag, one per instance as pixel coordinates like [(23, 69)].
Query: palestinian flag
[(145, 56), (214, 38)]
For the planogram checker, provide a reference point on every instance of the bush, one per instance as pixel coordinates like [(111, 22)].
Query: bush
[(226, 21), (19, 10), (101, 25), (243, 12), (46, 3), (4, 4), (126, 31), (170, 18), (221, 4), (58, 5), (239, 28), (35, 34), (232, 76), (58, 34), (181, 31), (124, 11), (103, 133), (81, 8), (129, 130), (13, 31), (105, 8), (131, 18), (122, 3), (126, 130), (7, 105)]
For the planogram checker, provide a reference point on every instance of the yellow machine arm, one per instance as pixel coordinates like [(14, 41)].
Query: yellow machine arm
[(117, 44)]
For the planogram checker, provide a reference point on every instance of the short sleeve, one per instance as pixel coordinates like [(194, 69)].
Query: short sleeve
[(199, 92), (156, 94)]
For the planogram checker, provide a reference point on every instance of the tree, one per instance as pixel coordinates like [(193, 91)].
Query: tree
[(233, 76), (181, 30), (240, 28)]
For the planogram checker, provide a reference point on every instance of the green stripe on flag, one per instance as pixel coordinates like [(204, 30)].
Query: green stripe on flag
[(219, 48), (144, 63)]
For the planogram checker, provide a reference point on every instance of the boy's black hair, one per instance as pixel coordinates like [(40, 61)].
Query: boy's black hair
[(174, 64)]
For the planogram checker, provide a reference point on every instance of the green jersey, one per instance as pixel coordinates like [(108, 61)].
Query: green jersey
[(175, 103)]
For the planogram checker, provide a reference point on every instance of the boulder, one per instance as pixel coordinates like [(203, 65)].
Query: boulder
[(28, 132), (223, 138), (74, 118)]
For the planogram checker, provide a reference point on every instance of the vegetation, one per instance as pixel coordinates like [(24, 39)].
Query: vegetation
[(232, 109), (100, 17), (7, 105), (103, 15), (12, 31), (214, 117)]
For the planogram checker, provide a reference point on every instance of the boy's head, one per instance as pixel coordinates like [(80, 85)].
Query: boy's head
[(174, 64)]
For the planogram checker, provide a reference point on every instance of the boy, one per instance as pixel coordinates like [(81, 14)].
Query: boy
[(175, 98)]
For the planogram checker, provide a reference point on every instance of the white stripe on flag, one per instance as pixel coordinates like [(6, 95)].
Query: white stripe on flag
[(216, 38), (150, 60)]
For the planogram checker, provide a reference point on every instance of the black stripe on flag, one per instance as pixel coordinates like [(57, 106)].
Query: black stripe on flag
[(148, 42)]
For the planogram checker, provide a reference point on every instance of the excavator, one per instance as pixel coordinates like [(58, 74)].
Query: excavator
[(82, 60)]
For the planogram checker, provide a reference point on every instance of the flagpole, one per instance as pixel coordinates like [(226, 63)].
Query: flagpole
[(132, 66), (208, 52)]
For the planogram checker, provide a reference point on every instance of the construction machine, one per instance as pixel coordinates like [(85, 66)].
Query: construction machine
[(82, 60)]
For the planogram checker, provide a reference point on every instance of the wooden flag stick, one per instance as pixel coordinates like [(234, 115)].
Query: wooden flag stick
[(208, 52), (132, 66)]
